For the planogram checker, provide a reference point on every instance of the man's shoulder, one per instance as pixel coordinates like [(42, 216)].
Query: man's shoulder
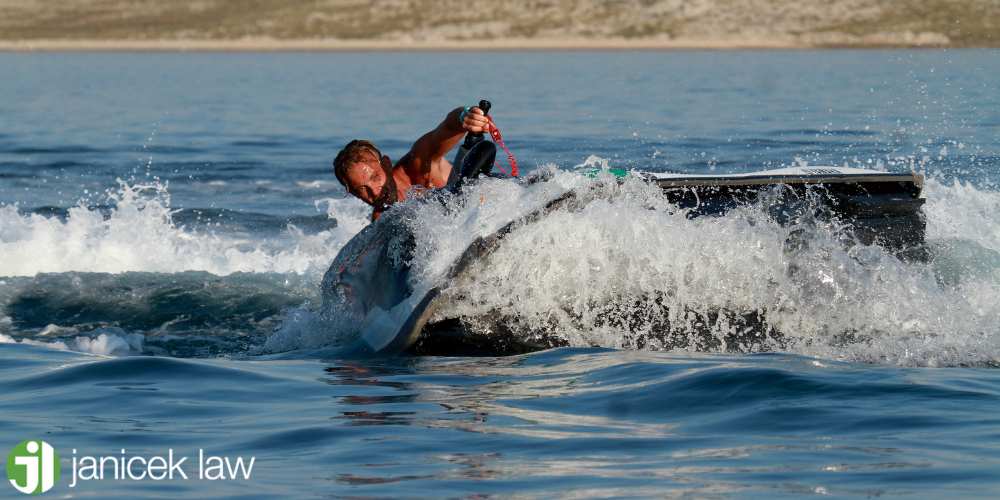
[(433, 174)]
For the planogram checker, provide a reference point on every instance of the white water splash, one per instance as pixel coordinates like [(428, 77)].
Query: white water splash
[(442, 232), (139, 235), (960, 210), (108, 341), (857, 304), (553, 274)]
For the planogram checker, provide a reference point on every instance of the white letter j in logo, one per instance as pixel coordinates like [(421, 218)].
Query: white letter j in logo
[(35, 467)]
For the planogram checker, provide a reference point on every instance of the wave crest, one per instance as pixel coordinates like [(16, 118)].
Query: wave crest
[(138, 233)]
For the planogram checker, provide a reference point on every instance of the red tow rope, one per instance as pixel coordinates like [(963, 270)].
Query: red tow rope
[(497, 138)]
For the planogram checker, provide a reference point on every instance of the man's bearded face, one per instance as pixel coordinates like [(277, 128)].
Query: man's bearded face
[(371, 180)]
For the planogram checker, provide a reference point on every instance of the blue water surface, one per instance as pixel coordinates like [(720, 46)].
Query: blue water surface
[(163, 214)]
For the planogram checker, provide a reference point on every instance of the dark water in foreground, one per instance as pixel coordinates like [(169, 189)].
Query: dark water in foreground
[(164, 215), (567, 422)]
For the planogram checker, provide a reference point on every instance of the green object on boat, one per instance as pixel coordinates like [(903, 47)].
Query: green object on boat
[(617, 172)]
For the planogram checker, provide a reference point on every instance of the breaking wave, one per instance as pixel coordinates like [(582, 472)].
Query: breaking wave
[(135, 275), (138, 232)]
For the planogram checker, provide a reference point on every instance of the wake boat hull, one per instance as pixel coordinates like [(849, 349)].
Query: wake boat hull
[(881, 208)]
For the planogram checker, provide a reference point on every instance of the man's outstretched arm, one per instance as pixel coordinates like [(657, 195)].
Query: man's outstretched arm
[(436, 143)]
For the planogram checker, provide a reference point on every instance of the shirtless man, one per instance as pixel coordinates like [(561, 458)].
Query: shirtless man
[(371, 176)]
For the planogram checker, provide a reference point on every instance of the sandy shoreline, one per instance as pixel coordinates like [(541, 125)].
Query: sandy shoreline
[(333, 45)]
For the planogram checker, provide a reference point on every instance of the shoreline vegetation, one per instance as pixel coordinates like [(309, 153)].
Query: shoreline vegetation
[(451, 25)]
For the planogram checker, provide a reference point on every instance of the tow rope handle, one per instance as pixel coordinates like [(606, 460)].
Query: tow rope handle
[(472, 138), (494, 131)]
